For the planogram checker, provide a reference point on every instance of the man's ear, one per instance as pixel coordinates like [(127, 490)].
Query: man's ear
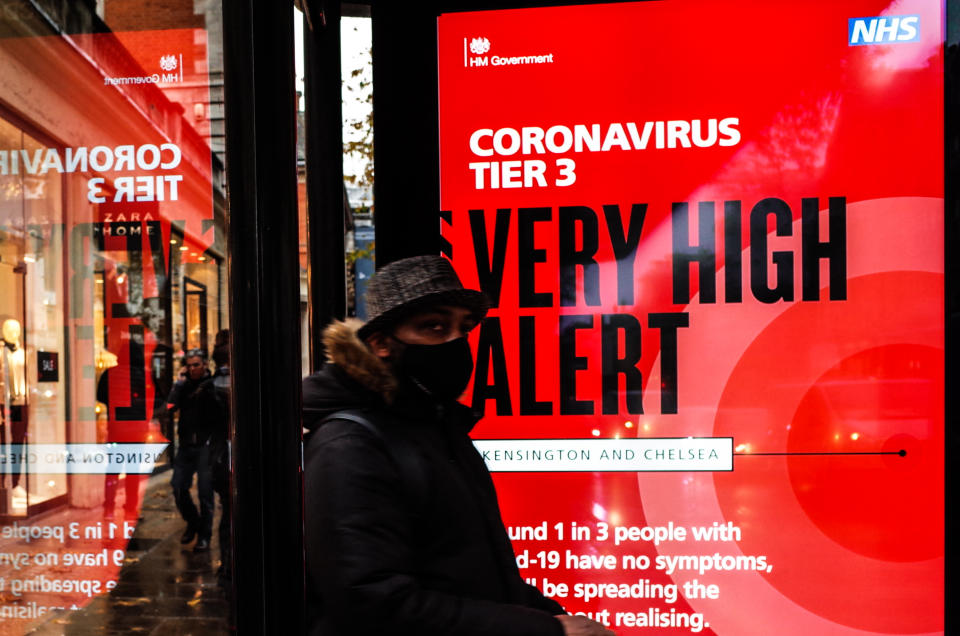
[(379, 344)]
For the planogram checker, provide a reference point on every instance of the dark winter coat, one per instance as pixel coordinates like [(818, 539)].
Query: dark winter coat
[(199, 411), (394, 547)]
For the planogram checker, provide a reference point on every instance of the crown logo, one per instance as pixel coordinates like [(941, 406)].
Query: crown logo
[(168, 62), (479, 46)]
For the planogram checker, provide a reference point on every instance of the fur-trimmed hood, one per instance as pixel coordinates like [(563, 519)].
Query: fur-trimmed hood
[(347, 351), (356, 378)]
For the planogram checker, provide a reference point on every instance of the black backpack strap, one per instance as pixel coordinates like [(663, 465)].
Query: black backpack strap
[(357, 418), (400, 449)]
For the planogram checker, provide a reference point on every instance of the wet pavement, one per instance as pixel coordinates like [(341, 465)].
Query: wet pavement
[(163, 587)]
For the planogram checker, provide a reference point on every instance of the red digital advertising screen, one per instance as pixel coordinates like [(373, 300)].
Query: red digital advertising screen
[(713, 373)]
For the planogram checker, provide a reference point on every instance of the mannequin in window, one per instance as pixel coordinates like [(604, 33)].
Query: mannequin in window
[(13, 386)]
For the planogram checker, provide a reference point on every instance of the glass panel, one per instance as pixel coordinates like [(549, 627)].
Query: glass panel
[(358, 164), (302, 210), (112, 267)]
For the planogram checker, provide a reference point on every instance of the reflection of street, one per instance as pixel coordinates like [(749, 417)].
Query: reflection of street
[(162, 588)]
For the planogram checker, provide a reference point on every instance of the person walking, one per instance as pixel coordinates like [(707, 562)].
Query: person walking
[(403, 532), (195, 400), (220, 449)]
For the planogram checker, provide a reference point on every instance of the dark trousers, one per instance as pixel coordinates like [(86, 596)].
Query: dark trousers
[(190, 460)]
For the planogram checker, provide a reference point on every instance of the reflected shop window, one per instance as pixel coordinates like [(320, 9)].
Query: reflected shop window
[(112, 266)]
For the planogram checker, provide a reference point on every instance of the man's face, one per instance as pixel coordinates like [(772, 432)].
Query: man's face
[(436, 325), (432, 326), (195, 367)]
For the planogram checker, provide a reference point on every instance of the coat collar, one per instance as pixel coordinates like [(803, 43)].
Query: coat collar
[(353, 358)]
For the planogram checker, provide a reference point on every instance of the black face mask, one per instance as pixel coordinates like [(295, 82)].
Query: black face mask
[(443, 371)]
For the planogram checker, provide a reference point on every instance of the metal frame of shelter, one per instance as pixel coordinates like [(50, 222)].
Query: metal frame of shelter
[(263, 239)]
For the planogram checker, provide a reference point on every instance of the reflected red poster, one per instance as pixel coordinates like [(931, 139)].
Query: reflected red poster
[(713, 375), (106, 170)]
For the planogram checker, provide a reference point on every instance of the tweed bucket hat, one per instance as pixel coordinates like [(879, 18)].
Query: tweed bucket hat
[(406, 286)]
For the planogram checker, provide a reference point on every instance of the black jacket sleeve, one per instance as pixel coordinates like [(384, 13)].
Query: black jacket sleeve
[(358, 539), (535, 598)]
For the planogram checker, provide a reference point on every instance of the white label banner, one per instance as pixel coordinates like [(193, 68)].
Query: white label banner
[(75, 459), (607, 455)]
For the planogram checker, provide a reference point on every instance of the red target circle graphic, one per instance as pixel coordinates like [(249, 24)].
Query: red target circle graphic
[(889, 400), (789, 378), (834, 524)]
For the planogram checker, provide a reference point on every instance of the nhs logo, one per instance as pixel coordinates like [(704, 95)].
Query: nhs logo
[(891, 29)]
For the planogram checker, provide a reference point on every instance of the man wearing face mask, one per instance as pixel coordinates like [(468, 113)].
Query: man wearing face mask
[(403, 533)]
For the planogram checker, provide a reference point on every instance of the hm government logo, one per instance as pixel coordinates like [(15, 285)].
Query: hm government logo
[(475, 55), (479, 46), (171, 65), (168, 62)]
